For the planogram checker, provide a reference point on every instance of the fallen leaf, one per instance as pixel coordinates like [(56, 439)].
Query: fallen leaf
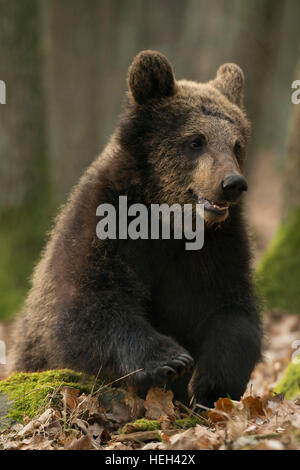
[(118, 446), (88, 410), (47, 419), (80, 424), (37, 442), (70, 395), (254, 406), (223, 407), (271, 444), (136, 406), (196, 438), (243, 442), (98, 433), (296, 421), (120, 412), (154, 446), (83, 443), (166, 423), (159, 403)]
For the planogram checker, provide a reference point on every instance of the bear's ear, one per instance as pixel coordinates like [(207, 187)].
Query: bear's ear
[(230, 81), (151, 76)]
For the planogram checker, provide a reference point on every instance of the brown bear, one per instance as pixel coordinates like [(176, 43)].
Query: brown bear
[(150, 311)]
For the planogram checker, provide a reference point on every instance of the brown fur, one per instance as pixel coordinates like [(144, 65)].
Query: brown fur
[(124, 305)]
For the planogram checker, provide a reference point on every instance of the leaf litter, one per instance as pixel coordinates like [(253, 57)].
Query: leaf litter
[(260, 420)]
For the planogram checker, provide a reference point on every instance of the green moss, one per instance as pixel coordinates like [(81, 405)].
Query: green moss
[(142, 424), (28, 393), (278, 275), (154, 425), (190, 422), (290, 382)]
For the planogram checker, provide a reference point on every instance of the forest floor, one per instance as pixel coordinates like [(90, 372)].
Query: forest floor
[(261, 420)]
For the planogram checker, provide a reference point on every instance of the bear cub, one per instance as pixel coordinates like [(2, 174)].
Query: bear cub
[(150, 311)]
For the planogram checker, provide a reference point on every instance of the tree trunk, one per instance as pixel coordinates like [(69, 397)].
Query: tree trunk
[(257, 46), (291, 183), (21, 118), (72, 71), (279, 272), (24, 201)]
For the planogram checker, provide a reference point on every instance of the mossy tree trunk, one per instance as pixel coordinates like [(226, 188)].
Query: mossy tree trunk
[(291, 183), (279, 272)]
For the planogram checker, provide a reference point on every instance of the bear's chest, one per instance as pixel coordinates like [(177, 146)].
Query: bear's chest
[(185, 287), (183, 294)]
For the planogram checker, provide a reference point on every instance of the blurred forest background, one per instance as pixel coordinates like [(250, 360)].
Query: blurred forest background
[(64, 63)]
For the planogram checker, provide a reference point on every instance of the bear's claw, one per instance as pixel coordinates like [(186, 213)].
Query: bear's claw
[(166, 371)]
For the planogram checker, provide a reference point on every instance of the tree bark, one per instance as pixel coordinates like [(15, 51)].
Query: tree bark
[(72, 71), (291, 180), (279, 271), (21, 118)]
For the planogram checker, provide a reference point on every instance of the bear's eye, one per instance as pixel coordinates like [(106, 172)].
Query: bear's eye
[(237, 149), (198, 143)]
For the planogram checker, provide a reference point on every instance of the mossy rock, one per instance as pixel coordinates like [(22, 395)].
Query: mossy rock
[(278, 275), (26, 394), (290, 382)]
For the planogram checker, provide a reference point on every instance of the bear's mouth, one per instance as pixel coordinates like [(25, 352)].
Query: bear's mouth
[(219, 208)]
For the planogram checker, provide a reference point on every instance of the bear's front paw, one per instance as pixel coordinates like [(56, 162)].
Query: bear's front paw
[(161, 372)]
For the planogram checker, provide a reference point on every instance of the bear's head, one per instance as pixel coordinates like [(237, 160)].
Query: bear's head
[(188, 139)]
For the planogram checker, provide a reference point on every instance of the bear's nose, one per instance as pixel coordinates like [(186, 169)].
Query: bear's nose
[(233, 186)]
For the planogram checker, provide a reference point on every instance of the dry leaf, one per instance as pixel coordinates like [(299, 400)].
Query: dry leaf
[(119, 412), (83, 443), (166, 423), (47, 419), (80, 424), (89, 410), (37, 442), (159, 403), (223, 407), (243, 442), (136, 406), (70, 395), (154, 446), (118, 446), (296, 421), (254, 406), (91, 406), (270, 444), (247, 426), (194, 439), (99, 433)]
